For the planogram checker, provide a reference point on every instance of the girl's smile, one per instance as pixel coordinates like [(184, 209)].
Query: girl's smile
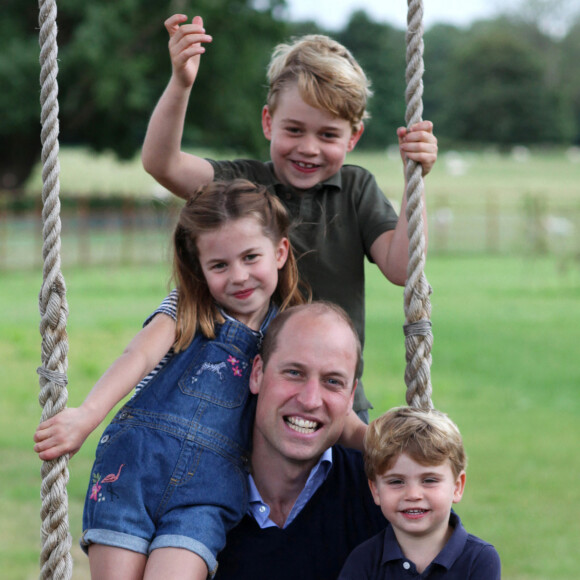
[(240, 264)]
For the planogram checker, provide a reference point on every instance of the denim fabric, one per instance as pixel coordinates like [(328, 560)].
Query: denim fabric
[(170, 469)]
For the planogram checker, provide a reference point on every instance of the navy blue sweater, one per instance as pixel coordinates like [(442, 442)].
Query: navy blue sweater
[(340, 516)]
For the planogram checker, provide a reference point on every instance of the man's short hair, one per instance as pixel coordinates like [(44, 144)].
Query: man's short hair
[(428, 436), (326, 73), (317, 308)]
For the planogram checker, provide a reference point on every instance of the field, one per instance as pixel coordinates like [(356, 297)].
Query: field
[(505, 367)]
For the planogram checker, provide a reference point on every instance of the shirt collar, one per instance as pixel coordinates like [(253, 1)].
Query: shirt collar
[(446, 558), (455, 545), (334, 182), (260, 511)]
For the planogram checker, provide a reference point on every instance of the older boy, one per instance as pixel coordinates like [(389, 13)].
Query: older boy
[(313, 118), (415, 464)]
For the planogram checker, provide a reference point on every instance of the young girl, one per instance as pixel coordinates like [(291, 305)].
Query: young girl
[(169, 479)]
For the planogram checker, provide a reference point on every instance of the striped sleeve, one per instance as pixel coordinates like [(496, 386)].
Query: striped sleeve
[(168, 307)]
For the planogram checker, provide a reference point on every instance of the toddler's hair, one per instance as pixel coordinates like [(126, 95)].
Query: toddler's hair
[(208, 209), (327, 75), (428, 436)]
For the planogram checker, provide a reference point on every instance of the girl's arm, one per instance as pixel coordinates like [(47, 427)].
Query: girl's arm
[(67, 431), (162, 157)]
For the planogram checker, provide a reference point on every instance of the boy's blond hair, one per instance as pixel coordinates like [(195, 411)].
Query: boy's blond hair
[(428, 436), (327, 75)]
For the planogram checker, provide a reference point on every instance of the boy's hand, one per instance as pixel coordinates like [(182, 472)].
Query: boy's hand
[(186, 47), (418, 144), (61, 434)]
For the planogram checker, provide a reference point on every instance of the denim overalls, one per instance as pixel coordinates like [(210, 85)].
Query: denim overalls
[(170, 469)]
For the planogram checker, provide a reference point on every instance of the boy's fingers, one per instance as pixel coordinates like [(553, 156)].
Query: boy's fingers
[(173, 22), (422, 126)]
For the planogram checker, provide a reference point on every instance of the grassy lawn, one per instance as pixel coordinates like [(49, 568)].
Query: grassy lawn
[(504, 367)]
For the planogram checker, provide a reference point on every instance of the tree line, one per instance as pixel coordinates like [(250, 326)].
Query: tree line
[(504, 81)]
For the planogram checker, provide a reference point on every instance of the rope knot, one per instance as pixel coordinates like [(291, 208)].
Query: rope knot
[(418, 328), (55, 377)]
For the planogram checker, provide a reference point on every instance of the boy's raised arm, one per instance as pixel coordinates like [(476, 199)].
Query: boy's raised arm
[(390, 251), (162, 156)]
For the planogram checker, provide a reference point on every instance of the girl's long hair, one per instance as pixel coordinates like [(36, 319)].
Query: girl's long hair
[(211, 207)]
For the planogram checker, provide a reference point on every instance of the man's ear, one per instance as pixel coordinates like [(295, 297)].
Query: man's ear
[(354, 386), (267, 122), (256, 374), (356, 135)]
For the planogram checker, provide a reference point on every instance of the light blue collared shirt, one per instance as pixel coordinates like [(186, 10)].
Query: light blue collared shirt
[(260, 511)]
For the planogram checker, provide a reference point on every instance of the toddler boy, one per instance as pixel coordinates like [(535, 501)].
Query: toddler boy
[(415, 463)]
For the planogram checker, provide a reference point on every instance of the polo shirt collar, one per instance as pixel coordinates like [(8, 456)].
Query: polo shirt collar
[(333, 182), (446, 558), (455, 545)]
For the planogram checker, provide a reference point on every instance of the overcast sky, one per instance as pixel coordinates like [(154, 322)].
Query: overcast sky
[(334, 14)]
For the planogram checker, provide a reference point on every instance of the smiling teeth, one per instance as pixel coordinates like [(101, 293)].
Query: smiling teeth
[(306, 165), (301, 425)]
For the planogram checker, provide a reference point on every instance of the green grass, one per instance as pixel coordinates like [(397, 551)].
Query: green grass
[(551, 174), (504, 367)]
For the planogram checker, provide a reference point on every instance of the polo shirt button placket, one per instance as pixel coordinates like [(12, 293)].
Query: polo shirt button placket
[(406, 565)]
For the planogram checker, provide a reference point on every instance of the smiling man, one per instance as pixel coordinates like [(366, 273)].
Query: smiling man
[(310, 504)]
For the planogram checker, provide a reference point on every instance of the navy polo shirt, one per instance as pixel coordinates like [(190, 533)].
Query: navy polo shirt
[(464, 557)]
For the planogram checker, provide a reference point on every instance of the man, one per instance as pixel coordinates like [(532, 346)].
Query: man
[(309, 500)]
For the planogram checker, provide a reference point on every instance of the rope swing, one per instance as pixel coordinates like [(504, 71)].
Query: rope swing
[(418, 336), (55, 558)]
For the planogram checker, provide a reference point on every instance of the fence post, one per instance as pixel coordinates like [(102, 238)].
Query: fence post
[(491, 224), (128, 230), (84, 231), (3, 235)]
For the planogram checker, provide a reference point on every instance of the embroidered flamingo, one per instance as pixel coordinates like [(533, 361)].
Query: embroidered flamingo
[(112, 477)]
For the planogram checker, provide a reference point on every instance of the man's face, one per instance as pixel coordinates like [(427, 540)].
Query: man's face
[(307, 145), (306, 390)]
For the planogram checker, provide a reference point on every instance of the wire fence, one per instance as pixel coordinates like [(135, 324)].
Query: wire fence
[(128, 230)]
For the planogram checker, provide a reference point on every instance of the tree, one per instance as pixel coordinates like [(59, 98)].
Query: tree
[(553, 17), (114, 64), (19, 109), (570, 73), (442, 42), (380, 50), (497, 92)]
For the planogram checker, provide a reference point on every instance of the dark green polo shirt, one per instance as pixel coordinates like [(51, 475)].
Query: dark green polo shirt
[(334, 227)]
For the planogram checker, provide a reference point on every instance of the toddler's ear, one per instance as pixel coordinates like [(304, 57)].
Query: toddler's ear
[(459, 487), (374, 492)]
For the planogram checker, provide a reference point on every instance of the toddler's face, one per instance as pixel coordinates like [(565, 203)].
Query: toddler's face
[(415, 498), (307, 145)]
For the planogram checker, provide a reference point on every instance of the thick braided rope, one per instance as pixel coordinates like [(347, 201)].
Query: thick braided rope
[(418, 337), (55, 559)]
